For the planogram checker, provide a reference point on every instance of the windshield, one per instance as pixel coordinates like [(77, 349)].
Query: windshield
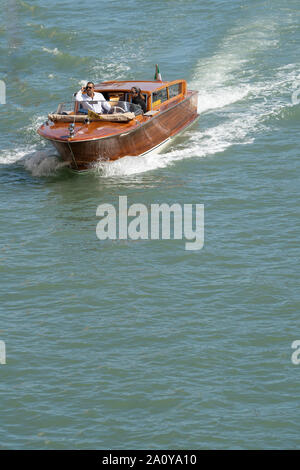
[(99, 107)]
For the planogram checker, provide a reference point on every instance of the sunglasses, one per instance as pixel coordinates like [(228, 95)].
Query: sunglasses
[(89, 87)]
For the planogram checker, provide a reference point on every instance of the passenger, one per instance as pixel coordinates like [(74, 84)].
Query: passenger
[(137, 98), (86, 94)]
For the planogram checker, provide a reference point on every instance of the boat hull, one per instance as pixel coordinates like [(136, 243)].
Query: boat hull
[(151, 133)]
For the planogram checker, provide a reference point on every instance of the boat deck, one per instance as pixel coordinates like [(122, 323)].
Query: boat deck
[(94, 130)]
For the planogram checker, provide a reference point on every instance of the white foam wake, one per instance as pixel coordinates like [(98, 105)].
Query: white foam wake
[(37, 162), (43, 163), (10, 156)]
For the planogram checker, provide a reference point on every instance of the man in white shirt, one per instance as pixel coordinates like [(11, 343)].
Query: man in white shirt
[(87, 94)]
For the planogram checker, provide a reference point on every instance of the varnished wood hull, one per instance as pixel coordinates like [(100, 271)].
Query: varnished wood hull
[(150, 133)]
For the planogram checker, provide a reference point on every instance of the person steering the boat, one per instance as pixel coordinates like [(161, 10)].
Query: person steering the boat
[(87, 95), (137, 97)]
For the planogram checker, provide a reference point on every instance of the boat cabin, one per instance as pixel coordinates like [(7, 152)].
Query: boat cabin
[(155, 93), (158, 95)]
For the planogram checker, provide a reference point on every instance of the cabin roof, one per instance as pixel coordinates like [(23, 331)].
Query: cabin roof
[(150, 85)]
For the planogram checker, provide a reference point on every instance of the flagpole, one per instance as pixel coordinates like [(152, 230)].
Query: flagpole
[(157, 75)]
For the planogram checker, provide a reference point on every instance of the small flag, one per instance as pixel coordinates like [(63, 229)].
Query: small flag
[(157, 75)]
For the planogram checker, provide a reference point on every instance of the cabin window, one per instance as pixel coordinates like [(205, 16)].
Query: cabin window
[(159, 96), (174, 90)]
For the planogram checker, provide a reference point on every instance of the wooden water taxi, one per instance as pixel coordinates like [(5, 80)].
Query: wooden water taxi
[(83, 139)]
